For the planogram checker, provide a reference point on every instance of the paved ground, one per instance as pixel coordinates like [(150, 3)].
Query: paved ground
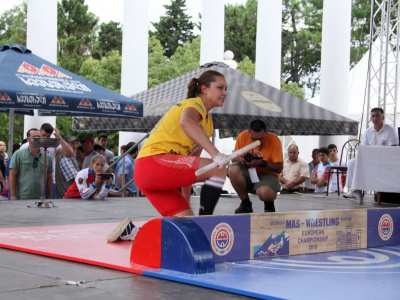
[(28, 276)]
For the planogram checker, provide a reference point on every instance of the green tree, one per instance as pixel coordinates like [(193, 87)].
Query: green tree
[(293, 88), (247, 66), (105, 72), (360, 31), (240, 29), (157, 63), (76, 33), (185, 58), (175, 28), (301, 42), (13, 25), (110, 38), (18, 127)]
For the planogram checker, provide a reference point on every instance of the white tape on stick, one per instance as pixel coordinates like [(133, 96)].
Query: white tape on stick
[(231, 156)]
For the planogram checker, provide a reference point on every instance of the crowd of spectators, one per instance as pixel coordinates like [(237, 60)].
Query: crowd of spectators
[(80, 171), (21, 175)]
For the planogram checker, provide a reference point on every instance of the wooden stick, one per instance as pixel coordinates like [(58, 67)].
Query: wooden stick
[(231, 156)]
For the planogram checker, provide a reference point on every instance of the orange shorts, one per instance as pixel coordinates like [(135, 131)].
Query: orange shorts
[(160, 176)]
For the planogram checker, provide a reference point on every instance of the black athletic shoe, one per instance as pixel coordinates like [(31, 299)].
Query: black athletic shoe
[(244, 209)]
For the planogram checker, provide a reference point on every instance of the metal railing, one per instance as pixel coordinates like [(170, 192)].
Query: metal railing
[(122, 157)]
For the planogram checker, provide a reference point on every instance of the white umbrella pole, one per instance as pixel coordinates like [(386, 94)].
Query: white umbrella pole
[(10, 132)]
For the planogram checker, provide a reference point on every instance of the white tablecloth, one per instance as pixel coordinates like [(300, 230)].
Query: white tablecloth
[(377, 169)]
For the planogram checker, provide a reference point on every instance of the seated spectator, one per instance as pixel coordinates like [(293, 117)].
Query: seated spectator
[(88, 184), (323, 172), (295, 172), (80, 156), (312, 166), (378, 134), (129, 171), (333, 158)]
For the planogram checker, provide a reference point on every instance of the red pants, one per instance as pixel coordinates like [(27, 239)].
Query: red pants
[(160, 176)]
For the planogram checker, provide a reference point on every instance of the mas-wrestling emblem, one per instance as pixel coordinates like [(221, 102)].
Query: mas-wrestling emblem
[(385, 227), (222, 238)]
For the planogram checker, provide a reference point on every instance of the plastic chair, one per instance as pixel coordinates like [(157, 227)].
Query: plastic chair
[(349, 151)]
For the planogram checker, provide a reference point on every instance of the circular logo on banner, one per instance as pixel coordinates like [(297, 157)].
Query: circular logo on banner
[(385, 227), (222, 238), (261, 101)]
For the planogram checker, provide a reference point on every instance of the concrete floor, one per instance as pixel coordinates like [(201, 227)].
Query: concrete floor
[(29, 276)]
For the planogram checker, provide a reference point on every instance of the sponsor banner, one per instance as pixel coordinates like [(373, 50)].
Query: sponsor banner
[(292, 233), (31, 100), (383, 227), (54, 84), (229, 236), (5, 99)]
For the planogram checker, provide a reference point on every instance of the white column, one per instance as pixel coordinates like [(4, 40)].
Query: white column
[(268, 42), (135, 47), (212, 31), (134, 55), (335, 61), (42, 41)]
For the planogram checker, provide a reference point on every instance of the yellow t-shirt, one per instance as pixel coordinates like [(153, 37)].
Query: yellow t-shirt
[(270, 150), (168, 136)]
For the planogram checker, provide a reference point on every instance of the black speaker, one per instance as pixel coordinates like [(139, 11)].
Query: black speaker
[(393, 198)]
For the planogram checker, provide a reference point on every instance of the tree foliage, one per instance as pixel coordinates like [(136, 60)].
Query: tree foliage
[(301, 42), (105, 72), (175, 28), (109, 39), (18, 127), (185, 58), (360, 31), (13, 25), (293, 88), (247, 66), (241, 29), (157, 62), (76, 31), (94, 52)]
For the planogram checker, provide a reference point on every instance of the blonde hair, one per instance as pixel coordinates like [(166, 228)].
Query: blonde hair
[(96, 157)]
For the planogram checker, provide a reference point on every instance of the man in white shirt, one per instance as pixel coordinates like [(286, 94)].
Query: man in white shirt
[(380, 134), (295, 172)]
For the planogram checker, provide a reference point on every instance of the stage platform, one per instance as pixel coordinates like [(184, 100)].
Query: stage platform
[(33, 276)]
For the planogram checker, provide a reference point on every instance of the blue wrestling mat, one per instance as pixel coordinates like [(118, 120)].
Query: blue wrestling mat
[(372, 273)]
